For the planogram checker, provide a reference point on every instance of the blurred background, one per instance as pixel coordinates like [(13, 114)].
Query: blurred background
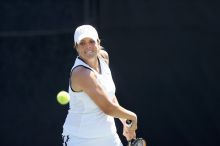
[(164, 57)]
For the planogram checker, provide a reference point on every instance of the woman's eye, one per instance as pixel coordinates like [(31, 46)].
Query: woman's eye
[(82, 43), (92, 41)]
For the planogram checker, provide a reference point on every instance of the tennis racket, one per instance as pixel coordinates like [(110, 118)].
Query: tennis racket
[(136, 141)]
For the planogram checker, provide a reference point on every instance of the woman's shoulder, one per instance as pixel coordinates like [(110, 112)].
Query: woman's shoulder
[(104, 55), (81, 70)]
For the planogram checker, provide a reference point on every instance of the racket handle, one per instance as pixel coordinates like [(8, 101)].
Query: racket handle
[(129, 143), (129, 123)]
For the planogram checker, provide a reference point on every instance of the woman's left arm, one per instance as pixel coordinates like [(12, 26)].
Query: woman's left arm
[(104, 55), (129, 134)]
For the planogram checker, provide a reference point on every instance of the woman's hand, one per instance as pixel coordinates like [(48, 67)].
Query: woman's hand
[(128, 132), (130, 128)]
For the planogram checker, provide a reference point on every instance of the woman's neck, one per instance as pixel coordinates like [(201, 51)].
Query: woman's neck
[(93, 63)]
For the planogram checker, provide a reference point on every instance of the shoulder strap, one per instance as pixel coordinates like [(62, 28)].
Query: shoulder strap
[(80, 62)]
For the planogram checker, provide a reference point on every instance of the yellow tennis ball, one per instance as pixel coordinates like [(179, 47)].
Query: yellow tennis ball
[(63, 97)]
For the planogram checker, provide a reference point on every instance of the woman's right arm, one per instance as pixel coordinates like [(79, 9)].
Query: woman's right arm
[(83, 79)]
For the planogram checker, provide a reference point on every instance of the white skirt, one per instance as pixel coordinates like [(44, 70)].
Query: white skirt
[(112, 140)]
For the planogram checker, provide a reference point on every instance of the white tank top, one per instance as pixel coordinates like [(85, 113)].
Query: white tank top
[(84, 118)]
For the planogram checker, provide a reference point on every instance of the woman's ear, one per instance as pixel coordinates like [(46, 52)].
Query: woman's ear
[(99, 41), (75, 46)]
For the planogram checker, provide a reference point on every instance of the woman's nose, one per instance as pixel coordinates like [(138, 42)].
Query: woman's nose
[(88, 46)]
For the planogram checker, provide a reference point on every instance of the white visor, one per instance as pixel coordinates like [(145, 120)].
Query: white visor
[(85, 31)]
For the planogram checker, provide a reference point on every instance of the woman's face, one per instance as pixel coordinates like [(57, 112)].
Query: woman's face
[(88, 48)]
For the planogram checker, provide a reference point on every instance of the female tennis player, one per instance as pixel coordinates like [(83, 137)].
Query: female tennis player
[(93, 104)]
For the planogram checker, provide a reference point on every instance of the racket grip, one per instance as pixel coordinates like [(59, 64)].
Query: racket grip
[(129, 143), (129, 123)]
